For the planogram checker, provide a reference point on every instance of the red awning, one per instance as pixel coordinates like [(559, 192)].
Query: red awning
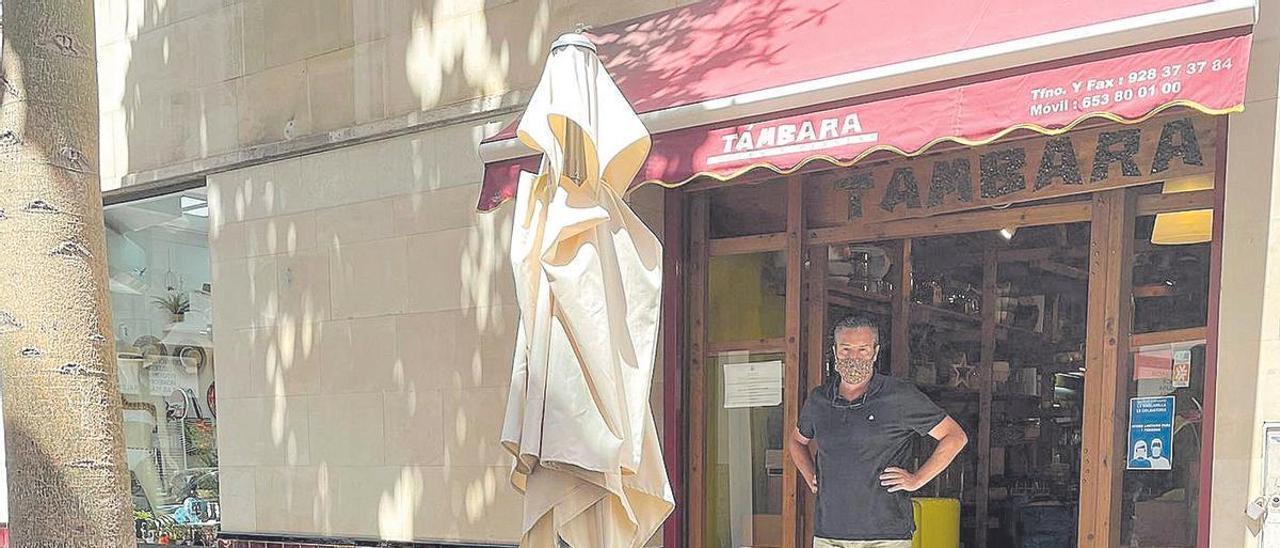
[(722, 80)]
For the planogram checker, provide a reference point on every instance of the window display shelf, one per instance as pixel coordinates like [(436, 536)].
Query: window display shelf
[(960, 393), (856, 299), (855, 293)]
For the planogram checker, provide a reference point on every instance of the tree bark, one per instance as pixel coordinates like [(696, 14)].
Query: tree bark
[(68, 480)]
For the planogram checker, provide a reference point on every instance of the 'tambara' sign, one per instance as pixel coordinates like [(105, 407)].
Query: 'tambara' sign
[(1033, 169)]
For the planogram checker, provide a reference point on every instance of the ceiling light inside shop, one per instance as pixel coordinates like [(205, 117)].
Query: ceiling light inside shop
[(1008, 232), (1184, 227)]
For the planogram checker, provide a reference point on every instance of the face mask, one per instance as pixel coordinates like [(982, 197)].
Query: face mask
[(855, 371)]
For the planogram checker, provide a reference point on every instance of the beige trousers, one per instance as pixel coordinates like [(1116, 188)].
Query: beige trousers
[(819, 542)]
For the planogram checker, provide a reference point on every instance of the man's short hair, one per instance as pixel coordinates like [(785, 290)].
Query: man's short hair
[(856, 321)]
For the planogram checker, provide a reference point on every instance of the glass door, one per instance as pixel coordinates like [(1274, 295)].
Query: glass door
[(742, 415), (739, 370)]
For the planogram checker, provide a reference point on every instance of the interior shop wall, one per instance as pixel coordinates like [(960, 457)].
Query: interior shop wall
[(1249, 312), (186, 80), (365, 320)]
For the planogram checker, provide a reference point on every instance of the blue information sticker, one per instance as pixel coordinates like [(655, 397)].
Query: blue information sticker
[(1151, 433)]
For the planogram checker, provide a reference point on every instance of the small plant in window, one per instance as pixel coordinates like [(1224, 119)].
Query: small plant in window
[(176, 303)]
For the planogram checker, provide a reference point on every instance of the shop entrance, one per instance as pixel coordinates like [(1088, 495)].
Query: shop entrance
[(1037, 325)]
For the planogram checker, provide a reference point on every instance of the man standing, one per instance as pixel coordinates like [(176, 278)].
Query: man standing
[(864, 424)]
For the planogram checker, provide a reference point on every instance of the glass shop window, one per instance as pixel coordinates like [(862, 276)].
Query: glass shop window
[(158, 264)]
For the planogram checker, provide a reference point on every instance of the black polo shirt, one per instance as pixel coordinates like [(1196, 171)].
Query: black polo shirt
[(856, 442)]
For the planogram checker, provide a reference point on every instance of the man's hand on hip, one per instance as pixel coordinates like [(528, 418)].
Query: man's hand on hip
[(897, 479)]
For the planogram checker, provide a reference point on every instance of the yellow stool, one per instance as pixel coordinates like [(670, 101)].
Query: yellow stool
[(937, 523)]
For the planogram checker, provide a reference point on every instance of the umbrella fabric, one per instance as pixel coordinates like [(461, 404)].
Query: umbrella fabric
[(588, 281)]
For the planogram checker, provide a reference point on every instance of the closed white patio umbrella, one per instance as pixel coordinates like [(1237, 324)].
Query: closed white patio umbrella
[(588, 280)]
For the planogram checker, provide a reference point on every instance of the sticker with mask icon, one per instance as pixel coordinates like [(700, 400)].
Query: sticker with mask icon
[(1151, 433)]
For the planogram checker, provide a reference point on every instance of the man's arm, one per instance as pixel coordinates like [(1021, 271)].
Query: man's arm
[(798, 445), (951, 439)]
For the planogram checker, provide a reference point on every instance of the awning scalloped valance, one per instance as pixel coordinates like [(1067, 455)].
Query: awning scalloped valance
[(1205, 72)]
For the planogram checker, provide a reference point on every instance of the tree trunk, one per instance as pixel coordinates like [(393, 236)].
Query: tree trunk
[(68, 481)]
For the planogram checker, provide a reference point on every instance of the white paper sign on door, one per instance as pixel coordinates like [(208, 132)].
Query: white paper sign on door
[(757, 384)]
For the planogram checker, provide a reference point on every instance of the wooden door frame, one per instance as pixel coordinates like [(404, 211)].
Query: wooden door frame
[(794, 386), (675, 262), (1211, 337), (698, 233), (1110, 312)]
